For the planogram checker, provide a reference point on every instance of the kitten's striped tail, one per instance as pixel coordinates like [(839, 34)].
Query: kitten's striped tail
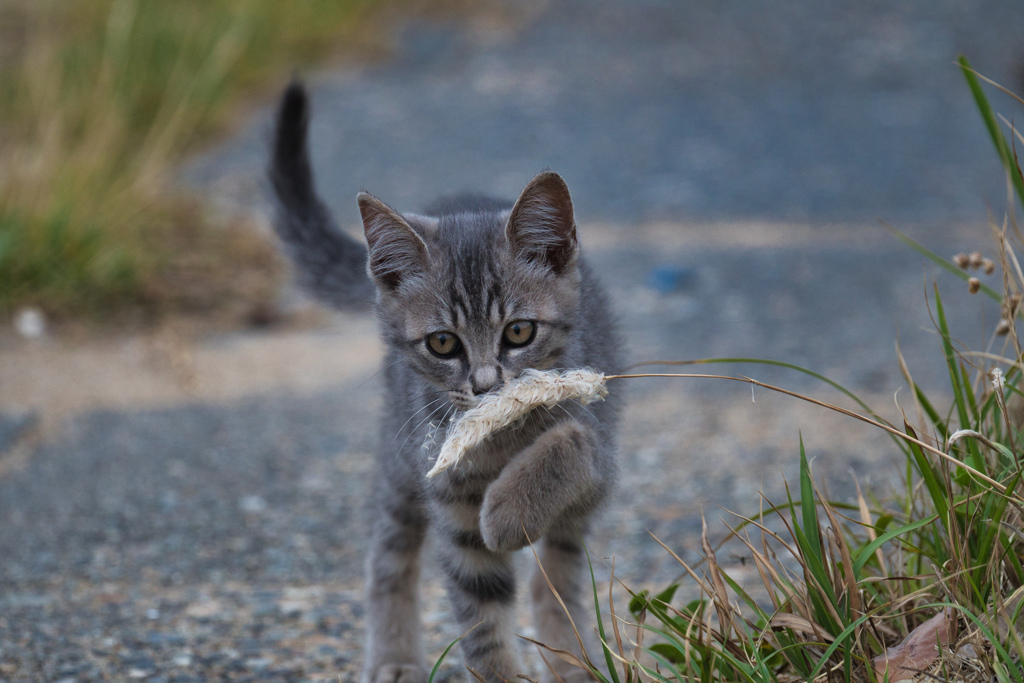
[(328, 263)]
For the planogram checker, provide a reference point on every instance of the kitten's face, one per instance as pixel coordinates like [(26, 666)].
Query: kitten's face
[(471, 300), (471, 325)]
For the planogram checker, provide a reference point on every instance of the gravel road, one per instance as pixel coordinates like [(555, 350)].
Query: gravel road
[(188, 506)]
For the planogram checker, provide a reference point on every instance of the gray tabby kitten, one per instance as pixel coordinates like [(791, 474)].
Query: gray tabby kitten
[(467, 296)]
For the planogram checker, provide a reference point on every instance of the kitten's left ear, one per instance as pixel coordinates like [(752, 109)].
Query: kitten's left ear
[(541, 227)]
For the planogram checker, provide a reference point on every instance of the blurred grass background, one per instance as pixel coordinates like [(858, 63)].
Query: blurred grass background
[(99, 101)]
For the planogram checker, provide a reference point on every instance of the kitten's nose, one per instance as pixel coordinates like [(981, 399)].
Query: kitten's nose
[(485, 379)]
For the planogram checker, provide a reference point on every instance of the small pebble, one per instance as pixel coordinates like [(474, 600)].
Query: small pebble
[(252, 504), (257, 663), (30, 322)]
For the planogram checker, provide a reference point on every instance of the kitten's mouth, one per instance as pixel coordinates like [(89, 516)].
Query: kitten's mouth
[(463, 401)]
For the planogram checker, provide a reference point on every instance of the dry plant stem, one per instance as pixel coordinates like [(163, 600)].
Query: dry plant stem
[(843, 411), (988, 80), (1011, 287), (984, 355), (536, 388), (633, 663), (905, 370), (850, 583), (964, 433), (709, 589), (565, 656), (615, 625), (865, 520), (718, 595)]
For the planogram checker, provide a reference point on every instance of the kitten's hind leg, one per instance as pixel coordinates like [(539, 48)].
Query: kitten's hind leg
[(394, 653), (562, 557)]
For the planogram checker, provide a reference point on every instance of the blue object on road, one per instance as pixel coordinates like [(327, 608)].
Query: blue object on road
[(666, 279)]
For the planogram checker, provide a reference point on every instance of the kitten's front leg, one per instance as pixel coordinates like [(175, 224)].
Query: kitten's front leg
[(557, 587), (482, 588), (481, 583), (557, 476), (393, 650)]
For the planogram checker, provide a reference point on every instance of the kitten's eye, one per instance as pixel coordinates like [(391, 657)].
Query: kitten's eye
[(443, 344), (519, 333)]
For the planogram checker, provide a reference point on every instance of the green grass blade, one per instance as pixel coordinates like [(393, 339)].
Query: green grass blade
[(961, 391), (808, 509), (952, 362), (992, 529), (821, 590), (600, 623), (745, 597), (867, 551), (670, 638), (437, 664), (659, 652), (992, 125), (813, 547), (1002, 656), (738, 666), (931, 478), (1014, 559), (941, 262), (933, 415), (971, 399), (846, 633), (809, 554)]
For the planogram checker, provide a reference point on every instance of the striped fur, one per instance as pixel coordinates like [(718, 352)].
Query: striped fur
[(468, 267)]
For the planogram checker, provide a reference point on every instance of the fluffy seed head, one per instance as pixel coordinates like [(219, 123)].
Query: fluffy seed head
[(512, 402), (962, 261), (973, 285)]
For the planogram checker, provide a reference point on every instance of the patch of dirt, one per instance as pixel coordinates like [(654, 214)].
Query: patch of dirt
[(178, 363)]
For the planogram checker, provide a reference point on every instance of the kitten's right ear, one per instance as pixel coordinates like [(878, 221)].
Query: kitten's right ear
[(397, 253), (541, 227)]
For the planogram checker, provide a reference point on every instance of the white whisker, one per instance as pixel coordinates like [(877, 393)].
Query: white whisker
[(411, 417), (418, 425), (395, 362)]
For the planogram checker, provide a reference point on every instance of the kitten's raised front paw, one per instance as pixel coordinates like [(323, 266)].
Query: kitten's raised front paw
[(504, 525), (396, 673)]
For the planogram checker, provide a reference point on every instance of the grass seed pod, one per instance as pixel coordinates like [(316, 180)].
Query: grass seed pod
[(513, 401)]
